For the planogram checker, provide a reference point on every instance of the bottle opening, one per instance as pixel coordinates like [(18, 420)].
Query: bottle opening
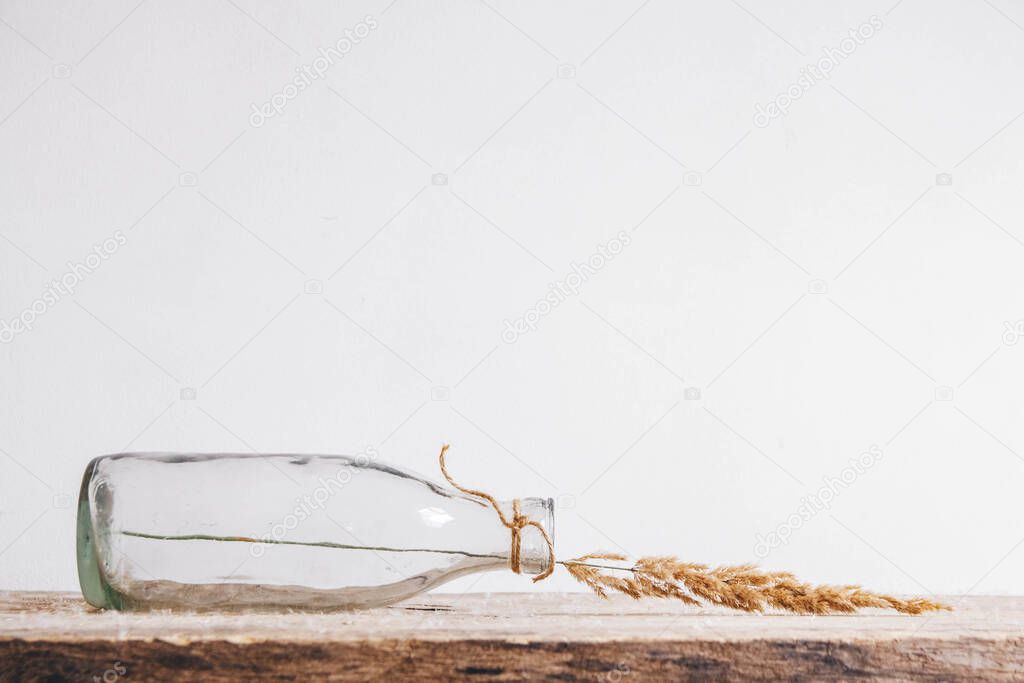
[(534, 555)]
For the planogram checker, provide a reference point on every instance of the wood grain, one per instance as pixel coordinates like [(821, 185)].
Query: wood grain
[(508, 637)]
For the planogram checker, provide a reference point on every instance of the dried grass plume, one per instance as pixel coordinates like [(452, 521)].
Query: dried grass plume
[(741, 587)]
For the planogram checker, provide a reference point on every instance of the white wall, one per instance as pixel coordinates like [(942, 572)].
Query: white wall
[(814, 281)]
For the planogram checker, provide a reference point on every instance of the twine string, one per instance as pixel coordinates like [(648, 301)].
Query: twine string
[(515, 525)]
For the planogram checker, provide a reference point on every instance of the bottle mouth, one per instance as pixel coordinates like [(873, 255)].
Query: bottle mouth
[(534, 555)]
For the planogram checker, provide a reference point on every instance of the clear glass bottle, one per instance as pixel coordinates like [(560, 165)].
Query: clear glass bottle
[(312, 532)]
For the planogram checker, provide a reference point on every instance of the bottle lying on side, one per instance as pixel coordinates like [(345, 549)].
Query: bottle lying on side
[(312, 532)]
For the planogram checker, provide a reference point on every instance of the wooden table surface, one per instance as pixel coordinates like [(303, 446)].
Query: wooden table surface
[(507, 637)]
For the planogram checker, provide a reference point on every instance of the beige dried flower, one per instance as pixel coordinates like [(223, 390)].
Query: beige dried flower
[(741, 587)]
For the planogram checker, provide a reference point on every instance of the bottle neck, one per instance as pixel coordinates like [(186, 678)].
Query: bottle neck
[(534, 554)]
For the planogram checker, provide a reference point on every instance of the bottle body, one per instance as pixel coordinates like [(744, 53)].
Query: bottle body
[(316, 532)]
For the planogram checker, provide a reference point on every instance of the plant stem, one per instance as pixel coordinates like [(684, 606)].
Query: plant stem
[(344, 546), (311, 544)]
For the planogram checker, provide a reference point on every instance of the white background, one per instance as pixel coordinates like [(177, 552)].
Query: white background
[(814, 281)]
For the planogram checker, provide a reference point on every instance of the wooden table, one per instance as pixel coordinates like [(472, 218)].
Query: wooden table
[(507, 637)]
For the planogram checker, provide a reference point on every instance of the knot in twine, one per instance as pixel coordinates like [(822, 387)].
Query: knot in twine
[(516, 525)]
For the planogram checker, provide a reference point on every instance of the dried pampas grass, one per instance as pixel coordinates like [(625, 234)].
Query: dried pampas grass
[(741, 587)]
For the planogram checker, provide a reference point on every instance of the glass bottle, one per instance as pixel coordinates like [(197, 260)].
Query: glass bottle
[(312, 532)]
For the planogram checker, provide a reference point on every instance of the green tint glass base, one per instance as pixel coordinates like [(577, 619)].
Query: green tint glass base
[(95, 590)]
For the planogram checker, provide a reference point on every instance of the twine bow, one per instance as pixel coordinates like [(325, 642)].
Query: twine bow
[(516, 525)]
